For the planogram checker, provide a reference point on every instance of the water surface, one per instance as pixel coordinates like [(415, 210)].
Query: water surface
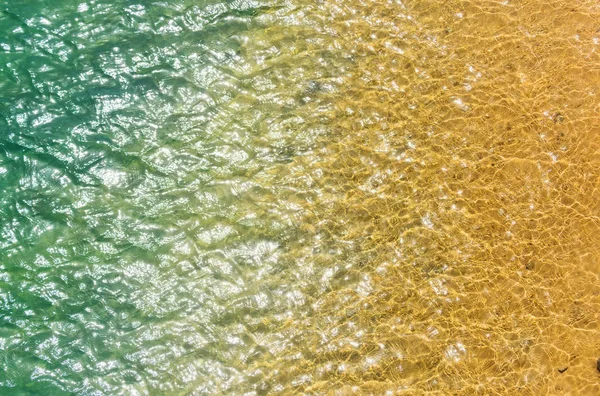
[(279, 197)]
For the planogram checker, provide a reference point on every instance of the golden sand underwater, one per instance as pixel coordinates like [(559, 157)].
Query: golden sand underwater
[(294, 197), (453, 205)]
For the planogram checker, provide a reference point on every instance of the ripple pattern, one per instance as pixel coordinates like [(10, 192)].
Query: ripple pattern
[(144, 213), (287, 197)]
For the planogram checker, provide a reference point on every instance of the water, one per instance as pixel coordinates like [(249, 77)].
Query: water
[(275, 197)]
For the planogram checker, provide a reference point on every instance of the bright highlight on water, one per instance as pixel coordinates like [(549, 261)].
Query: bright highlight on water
[(291, 197)]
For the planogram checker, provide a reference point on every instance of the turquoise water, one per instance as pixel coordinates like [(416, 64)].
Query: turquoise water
[(342, 197), (142, 208)]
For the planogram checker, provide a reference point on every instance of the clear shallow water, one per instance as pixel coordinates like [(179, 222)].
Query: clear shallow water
[(140, 223), (279, 197)]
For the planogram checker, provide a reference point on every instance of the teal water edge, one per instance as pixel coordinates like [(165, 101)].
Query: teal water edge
[(280, 197), (143, 218)]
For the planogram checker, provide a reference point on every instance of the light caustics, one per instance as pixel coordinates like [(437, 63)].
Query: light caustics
[(289, 197)]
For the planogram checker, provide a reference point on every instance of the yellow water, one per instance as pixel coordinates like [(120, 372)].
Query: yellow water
[(453, 207), (328, 197)]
